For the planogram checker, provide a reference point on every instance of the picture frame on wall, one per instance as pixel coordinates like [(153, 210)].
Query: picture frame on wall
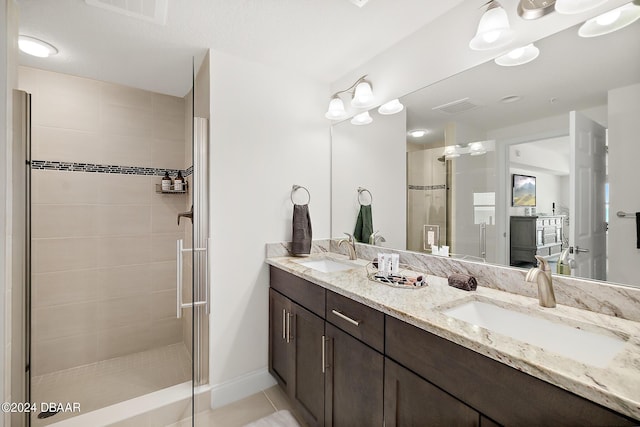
[(523, 190)]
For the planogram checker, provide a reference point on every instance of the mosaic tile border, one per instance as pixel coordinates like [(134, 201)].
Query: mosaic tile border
[(428, 187), (97, 168)]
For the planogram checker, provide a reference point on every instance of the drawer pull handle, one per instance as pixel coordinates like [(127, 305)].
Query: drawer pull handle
[(284, 324), (347, 318), (289, 327), (324, 361)]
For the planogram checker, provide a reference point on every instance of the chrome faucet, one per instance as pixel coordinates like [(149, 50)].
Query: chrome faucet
[(351, 246), (542, 276)]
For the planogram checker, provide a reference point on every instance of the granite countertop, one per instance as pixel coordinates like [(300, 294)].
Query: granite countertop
[(617, 386)]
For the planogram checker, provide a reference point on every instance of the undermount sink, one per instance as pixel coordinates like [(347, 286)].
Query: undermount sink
[(592, 348), (327, 265)]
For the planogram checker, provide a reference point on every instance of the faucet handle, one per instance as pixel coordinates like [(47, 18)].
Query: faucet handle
[(543, 264), (351, 239)]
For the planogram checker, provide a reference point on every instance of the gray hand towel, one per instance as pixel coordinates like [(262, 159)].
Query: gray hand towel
[(301, 238), (463, 281)]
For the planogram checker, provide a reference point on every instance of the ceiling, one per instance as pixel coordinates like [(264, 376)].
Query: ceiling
[(321, 39), (570, 73)]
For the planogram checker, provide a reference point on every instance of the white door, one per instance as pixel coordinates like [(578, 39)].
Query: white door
[(587, 182)]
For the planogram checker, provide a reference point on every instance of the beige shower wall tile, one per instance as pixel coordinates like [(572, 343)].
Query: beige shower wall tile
[(164, 218), (164, 247), (63, 220), (117, 220), (64, 287), (168, 153), (124, 340), (66, 101), (168, 105), (123, 311), (124, 281), (123, 250), (65, 320), (163, 305), (125, 150), (123, 189), (167, 331), (120, 120), (163, 276), (57, 354), (169, 126), (51, 255), (66, 145), (124, 96), (60, 187)]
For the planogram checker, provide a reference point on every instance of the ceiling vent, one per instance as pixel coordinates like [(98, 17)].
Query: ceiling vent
[(359, 3), (455, 107), (148, 10)]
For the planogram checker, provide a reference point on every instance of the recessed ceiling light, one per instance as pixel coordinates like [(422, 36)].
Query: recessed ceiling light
[(36, 47), (417, 133), (511, 98), (519, 56), (611, 21)]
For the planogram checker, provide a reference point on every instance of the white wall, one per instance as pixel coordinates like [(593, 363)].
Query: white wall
[(624, 152), (373, 157), (268, 132)]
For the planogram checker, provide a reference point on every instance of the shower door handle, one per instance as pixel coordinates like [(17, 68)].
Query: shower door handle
[(180, 249)]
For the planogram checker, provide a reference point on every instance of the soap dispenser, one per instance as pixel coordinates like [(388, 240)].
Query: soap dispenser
[(178, 183), (166, 182)]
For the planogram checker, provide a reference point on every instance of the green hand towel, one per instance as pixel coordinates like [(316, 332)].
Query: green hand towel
[(364, 224)]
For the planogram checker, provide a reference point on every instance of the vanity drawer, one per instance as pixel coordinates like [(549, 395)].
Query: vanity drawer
[(357, 319), (307, 294)]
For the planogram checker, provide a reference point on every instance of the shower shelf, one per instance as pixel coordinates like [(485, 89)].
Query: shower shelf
[(185, 189)]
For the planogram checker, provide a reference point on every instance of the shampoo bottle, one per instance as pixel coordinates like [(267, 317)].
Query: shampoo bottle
[(178, 183), (166, 182)]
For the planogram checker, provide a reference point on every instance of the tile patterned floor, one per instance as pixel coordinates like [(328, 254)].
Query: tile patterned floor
[(110, 381), (244, 411)]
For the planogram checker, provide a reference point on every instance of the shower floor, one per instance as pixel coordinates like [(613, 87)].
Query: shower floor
[(111, 381)]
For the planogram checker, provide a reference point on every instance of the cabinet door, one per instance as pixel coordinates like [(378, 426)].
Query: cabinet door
[(354, 382), (412, 401), (280, 353), (308, 379)]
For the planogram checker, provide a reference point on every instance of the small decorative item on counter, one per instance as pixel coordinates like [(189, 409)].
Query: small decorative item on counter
[(166, 182), (395, 279), (178, 183), (463, 281)]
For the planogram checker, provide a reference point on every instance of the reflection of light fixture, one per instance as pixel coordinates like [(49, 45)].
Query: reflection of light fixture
[(570, 7), (518, 56), (610, 21), (36, 47), (392, 107), (493, 29), (361, 97), (451, 152), (477, 148), (417, 133), (362, 119)]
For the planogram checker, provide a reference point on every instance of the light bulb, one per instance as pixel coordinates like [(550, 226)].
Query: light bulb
[(516, 53), (609, 17)]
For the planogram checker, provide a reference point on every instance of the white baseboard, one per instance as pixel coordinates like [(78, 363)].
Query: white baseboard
[(240, 387)]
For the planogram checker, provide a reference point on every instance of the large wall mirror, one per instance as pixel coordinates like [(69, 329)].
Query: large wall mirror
[(513, 162)]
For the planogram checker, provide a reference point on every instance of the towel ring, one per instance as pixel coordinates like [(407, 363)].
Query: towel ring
[(362, 190), (298, 187)]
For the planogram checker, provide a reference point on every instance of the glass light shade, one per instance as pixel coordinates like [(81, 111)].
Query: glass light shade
[(363, 96), (336, 109), (493, 30), (570, 7), (392, 107), (362, 119), (610, 21), (477, 149), (518, 56), (36, 47)]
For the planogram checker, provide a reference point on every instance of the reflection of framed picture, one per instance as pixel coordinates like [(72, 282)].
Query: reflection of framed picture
[(523, 190)]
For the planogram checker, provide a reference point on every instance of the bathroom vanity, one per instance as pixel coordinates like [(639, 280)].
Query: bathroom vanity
[(352, 352)]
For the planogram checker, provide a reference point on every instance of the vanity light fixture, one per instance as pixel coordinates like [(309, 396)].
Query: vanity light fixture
[(361, 97), (392, 107), (518, 56), (571, 7), (36, 47), (362, 119), (610, 21), (493, 29), (451, 152), (477, 149)]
